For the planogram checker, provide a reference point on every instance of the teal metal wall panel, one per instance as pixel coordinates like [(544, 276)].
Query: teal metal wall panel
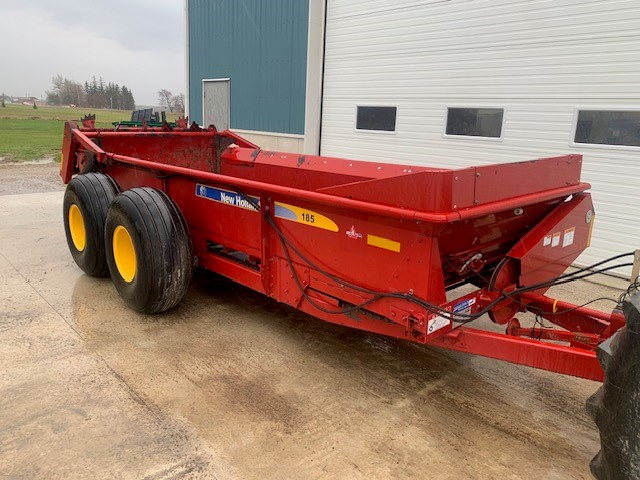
[(261, 45)]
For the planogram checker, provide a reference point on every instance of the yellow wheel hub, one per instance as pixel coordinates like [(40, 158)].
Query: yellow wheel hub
[(76, 228), (124, 254)]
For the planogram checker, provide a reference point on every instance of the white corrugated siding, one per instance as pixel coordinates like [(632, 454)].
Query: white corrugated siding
[(540, 59)]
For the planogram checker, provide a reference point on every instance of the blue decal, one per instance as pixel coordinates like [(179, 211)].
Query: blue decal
[(464, 305), (227, 197), (286, 213)]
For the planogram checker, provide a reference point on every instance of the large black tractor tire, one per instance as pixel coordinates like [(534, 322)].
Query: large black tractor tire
[(148, 250), (615, 407), (85, 207)]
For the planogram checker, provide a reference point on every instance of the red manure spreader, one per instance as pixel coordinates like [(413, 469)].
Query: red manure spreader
[(373, 246)]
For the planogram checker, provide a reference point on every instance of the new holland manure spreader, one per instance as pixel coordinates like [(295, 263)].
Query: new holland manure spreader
[(372, 246)]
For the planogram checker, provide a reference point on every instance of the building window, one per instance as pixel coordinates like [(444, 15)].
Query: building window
[(376, 118), (608, 127), (475, 122)]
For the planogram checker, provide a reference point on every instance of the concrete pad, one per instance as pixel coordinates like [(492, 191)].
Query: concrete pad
[(64, 412), (232, 385)]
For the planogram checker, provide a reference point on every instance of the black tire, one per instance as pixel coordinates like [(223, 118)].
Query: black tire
[(148, 250), (615, 407), (85, 207)]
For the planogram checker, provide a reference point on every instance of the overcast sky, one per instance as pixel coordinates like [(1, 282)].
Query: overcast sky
[(138, 43)]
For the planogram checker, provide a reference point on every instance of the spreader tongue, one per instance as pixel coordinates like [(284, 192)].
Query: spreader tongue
[(615, 407)]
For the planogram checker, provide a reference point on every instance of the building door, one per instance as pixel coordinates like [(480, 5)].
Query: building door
[(215, 103)]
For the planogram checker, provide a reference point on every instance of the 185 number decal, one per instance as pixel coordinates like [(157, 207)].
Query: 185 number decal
[(308, 217)]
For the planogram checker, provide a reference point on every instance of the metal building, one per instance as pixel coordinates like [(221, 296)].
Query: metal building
[(446, 83)]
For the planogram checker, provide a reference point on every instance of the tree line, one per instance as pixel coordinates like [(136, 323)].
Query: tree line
[(94, 94)]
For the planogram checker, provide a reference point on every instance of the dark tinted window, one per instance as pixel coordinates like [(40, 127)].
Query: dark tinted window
[(608, 127), (377, 118), (475, 122)]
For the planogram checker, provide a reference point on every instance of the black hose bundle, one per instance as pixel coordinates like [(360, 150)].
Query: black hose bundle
[(458, 317)]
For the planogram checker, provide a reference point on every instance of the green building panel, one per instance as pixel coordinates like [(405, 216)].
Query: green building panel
[(261, 45)]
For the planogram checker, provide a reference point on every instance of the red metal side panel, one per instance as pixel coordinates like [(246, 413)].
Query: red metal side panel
[(194, 151), (374, 252), (429, 191), (321, 166), (131, 177), (509, 180), (218, 214), (300, 171), (551, 246)]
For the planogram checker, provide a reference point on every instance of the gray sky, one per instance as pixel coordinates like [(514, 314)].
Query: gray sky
[(138, 43)]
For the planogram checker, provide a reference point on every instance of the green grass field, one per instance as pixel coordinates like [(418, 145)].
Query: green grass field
[(28, 134)]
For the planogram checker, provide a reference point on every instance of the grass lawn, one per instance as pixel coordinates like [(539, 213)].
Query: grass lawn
[(30, 139), (28, 134)]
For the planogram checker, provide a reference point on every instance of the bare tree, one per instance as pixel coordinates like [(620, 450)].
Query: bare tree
[(178, 103), (65, 92), (165, 97)]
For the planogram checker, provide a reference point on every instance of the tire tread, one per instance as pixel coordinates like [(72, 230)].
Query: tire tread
[(92, 193), (163, 248)]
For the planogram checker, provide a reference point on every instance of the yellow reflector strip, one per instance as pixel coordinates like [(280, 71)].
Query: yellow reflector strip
[(382, 242)]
